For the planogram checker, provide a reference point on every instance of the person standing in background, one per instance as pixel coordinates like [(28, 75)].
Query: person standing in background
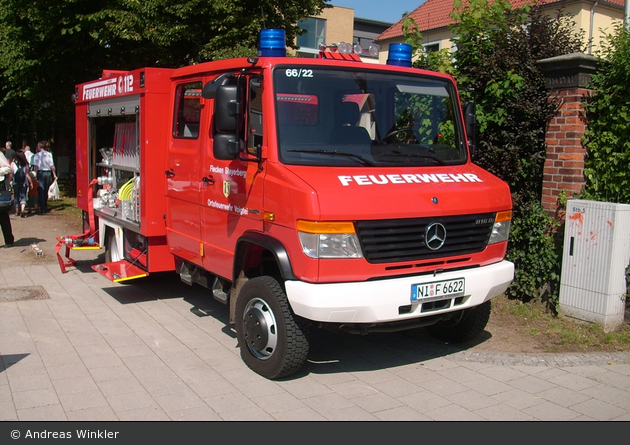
[(28, 153), (31, 197), (44, 166), (21, 182), (9, 153), (5, 221)]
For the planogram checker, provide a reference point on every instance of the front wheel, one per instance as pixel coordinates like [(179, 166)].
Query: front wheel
[(272, 339), (467, 326)]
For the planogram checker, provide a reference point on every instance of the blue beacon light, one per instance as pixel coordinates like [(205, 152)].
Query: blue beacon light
[(272, 43), (399, 54)]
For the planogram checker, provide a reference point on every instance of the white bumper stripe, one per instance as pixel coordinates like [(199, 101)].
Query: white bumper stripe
[(379, 301)]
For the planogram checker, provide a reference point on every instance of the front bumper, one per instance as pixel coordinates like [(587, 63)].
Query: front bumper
[(389, 300)]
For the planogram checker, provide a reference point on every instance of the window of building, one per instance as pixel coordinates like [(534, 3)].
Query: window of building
[(314, 35), (365, 43), (432, 47)]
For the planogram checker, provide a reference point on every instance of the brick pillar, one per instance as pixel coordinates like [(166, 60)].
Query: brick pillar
[(566, 78)]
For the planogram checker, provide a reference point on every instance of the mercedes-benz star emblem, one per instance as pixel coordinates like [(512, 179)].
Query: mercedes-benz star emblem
[(435, 236)]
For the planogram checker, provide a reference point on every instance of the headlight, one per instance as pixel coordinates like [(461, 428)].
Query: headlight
[(329, 240), (501, 228)]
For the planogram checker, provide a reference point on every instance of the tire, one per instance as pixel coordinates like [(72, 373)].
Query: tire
[(111, 247), (273, 340), (470, 325)]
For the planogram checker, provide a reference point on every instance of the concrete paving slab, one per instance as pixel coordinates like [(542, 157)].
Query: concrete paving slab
[(159, 350)]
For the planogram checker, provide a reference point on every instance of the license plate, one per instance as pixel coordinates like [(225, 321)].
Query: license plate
[(437, 290)]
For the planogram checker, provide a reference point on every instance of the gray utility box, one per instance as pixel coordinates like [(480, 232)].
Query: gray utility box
[(596, 255)]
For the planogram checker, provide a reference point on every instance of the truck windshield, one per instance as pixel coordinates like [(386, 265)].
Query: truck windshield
[(349, 117)]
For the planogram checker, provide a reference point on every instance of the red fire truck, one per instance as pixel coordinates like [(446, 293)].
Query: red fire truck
[(303, 193)]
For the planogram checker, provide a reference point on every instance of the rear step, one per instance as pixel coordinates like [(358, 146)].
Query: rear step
[(120, 271)]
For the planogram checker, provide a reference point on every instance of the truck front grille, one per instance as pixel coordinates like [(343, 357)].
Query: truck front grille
[(395, 240)]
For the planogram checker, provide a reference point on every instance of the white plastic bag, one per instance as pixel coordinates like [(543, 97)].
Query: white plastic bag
[(5, 167), (53, 191)]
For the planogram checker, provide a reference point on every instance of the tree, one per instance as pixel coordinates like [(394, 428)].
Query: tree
[(42, 55), (184, 32), (514, 107), (607, 138), (440, 61), (513, 102), (49, 47), (495, 64)]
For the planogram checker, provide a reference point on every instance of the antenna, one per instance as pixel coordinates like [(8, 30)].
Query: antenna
[(262, 12)]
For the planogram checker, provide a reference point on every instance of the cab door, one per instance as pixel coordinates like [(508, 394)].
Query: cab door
[(232, 190), (184, 172)]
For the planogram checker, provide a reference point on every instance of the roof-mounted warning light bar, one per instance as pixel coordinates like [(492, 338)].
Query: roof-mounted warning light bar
[(272, 43), (345, 51)]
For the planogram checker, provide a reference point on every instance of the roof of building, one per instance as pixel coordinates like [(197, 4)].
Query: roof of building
[(373, 21), (436, 14)]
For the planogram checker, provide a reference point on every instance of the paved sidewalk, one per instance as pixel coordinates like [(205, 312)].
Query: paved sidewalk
[(77, 347)]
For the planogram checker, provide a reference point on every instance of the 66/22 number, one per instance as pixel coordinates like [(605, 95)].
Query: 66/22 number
[(299, 72)]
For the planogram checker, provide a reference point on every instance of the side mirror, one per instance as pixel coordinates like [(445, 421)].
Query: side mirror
[(470, 122), (228, 119), (226, 109), (226, 146), (210, 89)]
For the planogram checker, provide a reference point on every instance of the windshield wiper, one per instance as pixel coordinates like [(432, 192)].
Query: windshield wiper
[(336, 153), (395, 154)]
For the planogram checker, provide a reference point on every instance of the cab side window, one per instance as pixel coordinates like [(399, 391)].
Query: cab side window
[(255, 125), (187, 110)]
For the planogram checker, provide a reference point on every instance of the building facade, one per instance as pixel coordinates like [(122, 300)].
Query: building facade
[(338, 24), (433, 17)]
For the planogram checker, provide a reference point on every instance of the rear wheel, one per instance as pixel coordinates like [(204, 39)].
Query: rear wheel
[(272, 339), (112, 254), (467, 326)]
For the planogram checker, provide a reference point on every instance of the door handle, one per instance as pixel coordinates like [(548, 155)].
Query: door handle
[(169, 173), (208, 181)]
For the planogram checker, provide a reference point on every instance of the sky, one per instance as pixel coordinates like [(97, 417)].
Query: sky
[(385, 11)]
